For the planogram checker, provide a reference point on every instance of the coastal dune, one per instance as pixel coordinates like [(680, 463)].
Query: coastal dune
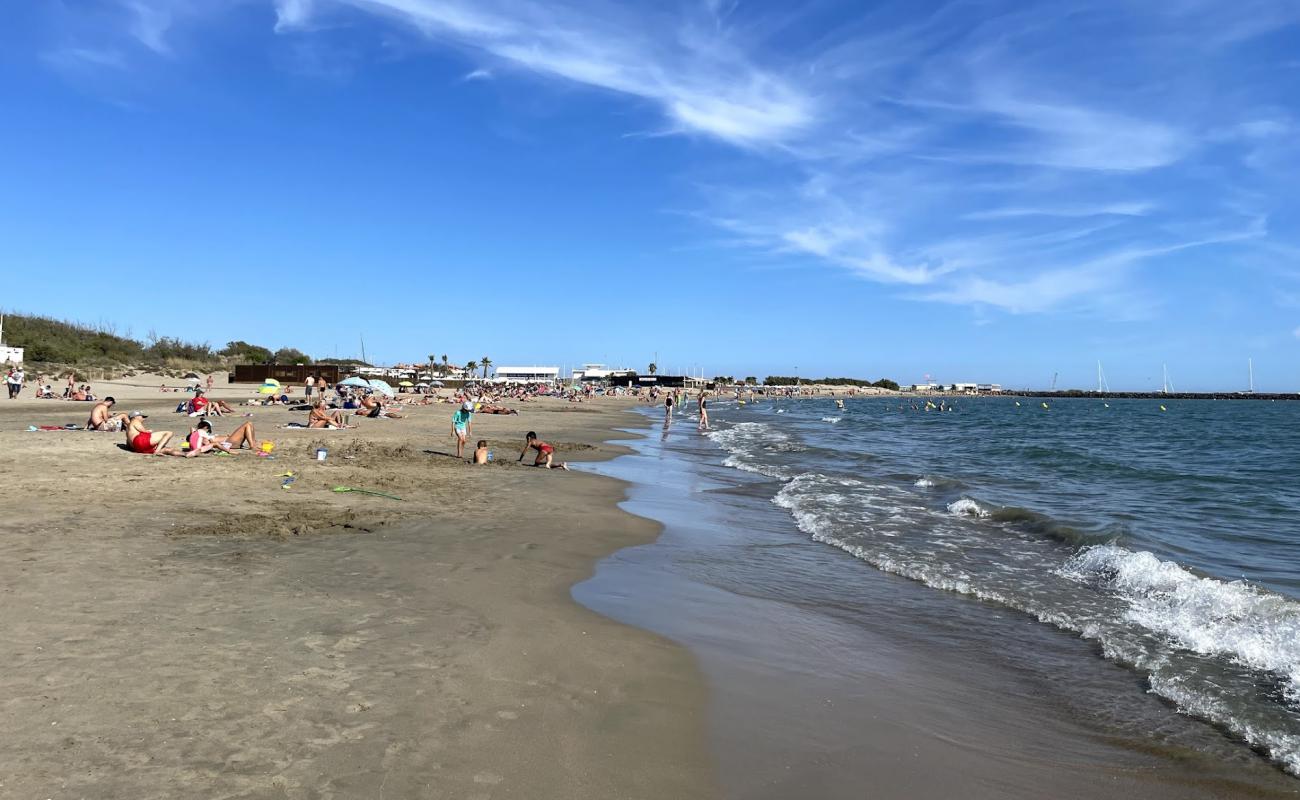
[(186, 627)]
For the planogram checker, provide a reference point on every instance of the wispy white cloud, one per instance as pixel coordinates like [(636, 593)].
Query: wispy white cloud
[(151, 21), (700, 81), (984, 154), (84, 58), (1132, 209)]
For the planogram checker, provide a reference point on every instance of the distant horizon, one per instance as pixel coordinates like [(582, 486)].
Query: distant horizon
[(669, 369), (990, 192)]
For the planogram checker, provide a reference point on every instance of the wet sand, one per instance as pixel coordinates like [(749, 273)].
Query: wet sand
[(187, 628)]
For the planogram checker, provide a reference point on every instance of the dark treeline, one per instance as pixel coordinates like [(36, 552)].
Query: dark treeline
[(785, 380)]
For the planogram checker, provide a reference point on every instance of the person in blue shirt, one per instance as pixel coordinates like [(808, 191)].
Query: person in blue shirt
[(462, 425)]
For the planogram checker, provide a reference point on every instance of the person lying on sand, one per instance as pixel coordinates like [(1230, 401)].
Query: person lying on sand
[(202, 440), (545, 452), (487, 409), (481, 452), (320, 417), (102, 417), (372, 408), (144, 441)]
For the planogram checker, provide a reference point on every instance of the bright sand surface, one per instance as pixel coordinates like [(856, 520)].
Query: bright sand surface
[(187, 628)]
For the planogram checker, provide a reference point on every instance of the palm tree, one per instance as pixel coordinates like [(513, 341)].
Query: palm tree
[(485, 362), (653, 367), (470, 366), (445, 367)]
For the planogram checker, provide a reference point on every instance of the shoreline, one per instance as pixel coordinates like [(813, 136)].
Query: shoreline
[(441, 656), (828, 676)]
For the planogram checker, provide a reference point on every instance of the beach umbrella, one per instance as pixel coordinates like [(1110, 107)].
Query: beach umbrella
[(406, 383), (382, 388), (355, 381), (269, 386), (422, 384), (436, 383)]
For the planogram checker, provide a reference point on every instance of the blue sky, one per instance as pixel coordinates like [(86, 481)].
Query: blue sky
[(974, 190)]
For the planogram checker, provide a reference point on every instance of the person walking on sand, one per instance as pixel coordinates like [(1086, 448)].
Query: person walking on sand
[(462, 425), (209, 383), (308, 385), (668, 406), (14, 380), (545, 452), (703, 403)]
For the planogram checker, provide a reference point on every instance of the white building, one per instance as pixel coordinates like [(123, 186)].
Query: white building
[(11, 355), (597, 372), (527, 374), (925, 387)]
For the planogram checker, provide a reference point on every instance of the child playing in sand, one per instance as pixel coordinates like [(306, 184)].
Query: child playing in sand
[(462, 425), (481, 452), (545, 452)]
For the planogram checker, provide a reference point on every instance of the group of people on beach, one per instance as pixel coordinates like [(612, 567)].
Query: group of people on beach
[(677, 398), (140, 439), (462, 427)]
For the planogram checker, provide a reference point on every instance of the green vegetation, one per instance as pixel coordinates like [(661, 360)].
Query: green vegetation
[(60, 342), (785, 380), (289, 355), (56, 341), (246, 353)]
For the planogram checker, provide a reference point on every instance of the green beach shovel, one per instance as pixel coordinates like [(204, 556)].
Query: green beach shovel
[(365, 491)]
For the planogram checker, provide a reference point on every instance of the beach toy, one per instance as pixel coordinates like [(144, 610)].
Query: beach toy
[(268, 446), (287, 482), (345, 489), (1044, 405), (321, 454), (1162, 408)]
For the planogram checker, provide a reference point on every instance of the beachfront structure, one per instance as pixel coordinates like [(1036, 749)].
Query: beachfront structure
[(527, 374), (598, 372), (925, 387), (8, 355), (989, 388)]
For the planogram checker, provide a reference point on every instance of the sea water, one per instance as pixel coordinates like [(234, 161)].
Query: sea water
[(1168, 538)]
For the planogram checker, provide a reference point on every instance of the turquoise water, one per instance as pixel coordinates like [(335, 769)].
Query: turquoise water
[(1170, 539)]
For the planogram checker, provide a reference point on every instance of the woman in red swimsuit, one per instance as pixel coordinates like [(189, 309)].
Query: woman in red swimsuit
[(545, 452)]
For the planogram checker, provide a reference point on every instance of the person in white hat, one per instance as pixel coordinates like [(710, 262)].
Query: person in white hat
[(462, 425)]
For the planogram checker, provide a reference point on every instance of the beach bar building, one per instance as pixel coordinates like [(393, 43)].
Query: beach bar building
[(527, 374)]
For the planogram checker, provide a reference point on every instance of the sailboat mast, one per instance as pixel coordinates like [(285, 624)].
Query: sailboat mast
[(1250, 366)]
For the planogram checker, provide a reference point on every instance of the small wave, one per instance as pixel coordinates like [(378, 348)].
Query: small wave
[(1236, 620), (831, 420), (968, 507)]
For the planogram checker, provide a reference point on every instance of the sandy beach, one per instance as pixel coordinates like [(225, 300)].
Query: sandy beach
[(186, 627)]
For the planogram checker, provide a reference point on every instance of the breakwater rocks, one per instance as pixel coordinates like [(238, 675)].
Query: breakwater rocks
[(1153, 395)]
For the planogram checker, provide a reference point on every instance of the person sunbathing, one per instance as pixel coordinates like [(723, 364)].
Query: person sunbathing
[(492, 409), (102, 417), (202, 440), (545, 452), (146, 442), (372, 408), (320, 417)]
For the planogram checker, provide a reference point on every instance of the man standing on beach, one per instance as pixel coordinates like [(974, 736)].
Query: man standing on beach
[(308, 384), (15, 380)]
